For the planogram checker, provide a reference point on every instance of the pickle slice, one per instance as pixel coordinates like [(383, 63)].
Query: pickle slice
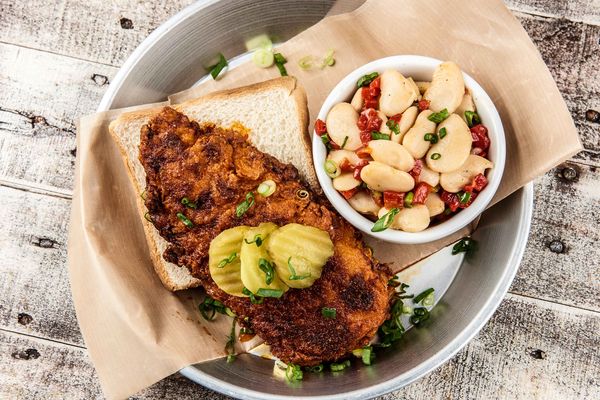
[(257, 266), (299, 253), (224, 260)]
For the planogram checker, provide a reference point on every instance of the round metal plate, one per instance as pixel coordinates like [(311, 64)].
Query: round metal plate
[(172, 58)]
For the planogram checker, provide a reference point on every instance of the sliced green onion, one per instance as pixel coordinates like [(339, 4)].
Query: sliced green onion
[(464, 245), (316, 369), (148, 217), (436, 156), (263, 58), (464, 197), (230, 345), (266, 267), (302, 194), (293, 276), (216, 69), (253, 298), (241, 208), (429, 300), (345, 141), (385, 221), (394, 126), (379, 136), (186, 202), (366, 79), (442, 133), (407, 309), (185, 220), (472, 118), (267, 188), (262, 41), (418, 298), (306, 63), (367, 355), (408, 199), (431, 137), (227, 260), (328, 60), (246, 331), (439, 116), (335, 367), (293, 373), (257, 240), (329, 312), (394, 281), (279, 61), (331, 169), (263, 292), (419, 316), (209, 307), (326, 141)]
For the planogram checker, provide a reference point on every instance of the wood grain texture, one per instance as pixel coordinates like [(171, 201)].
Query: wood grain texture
[(41, 97), (566, 211), (587, 11), (551, 354), (95, 30), (33, 272)]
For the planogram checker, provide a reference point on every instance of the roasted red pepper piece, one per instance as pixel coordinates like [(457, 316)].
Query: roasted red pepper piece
[(479, 182), (480, 137), (423, 104), (393, 199), (364, 152), (396, 118), (320, 127), (416, 171), (421, 191), (358, 167), (370, 94), (345, 166), (451, 200), (349, 193)]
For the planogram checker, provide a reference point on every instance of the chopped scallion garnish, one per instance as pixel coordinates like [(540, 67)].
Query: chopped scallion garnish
[(366, 79), (185, 220), (316, 369), (385, 221), (329, 312), (436, 156), (306, 63), (241, 208), (216, 69), (345, 141), (279, 61), (464, 197), (394, 126), (379, 136), (442, 133), (262, 41), (263, 58), (464, 245), (230, 345), (266, 267), (293, 373), (257, 240), (267, 188), (439, 116), (253, 298), (472, 118), (293, 276), (418, 298), (227, 260), (408, 199), (209, 307), (331, 169), (367, 355), (336, 367), (328, 60), (431, 137), (186, 202), (420, 315), (264, 292), (148, 217)]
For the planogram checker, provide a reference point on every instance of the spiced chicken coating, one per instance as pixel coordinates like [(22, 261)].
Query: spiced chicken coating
[(216, 168)]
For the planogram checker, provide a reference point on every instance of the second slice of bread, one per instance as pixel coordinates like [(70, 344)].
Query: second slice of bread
[(276, 117)]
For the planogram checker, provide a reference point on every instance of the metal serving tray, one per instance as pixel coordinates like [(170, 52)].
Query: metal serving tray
[(172, 59)]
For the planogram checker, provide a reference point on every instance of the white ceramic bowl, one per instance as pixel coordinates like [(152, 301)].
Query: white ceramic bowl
[(420, 69)]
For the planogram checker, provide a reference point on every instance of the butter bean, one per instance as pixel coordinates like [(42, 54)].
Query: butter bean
[(434, 204), (364, 203), (341, 124), (382, 177), (452, 150), (345, 182), (392, 154), (447, 88), (414, 140), (456, 180), (397, 93)]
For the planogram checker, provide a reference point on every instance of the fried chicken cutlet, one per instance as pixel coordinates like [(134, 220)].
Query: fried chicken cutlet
[(215, 168)]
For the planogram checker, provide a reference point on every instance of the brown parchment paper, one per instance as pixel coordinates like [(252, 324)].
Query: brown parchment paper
[(136, 331)]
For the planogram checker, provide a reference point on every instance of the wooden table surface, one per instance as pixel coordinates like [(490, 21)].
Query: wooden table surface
[(57, 60)]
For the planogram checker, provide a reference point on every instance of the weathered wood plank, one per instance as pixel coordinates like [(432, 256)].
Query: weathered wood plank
[(529, 349), (41, 96), (35, 296), (566, 214), (571, 51), (587, 11), (96, 30)]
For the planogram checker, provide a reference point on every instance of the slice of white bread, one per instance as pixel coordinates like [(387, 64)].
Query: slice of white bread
[(274, 112)]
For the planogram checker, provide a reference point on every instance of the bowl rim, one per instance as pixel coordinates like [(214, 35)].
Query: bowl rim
[(344, 90)]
